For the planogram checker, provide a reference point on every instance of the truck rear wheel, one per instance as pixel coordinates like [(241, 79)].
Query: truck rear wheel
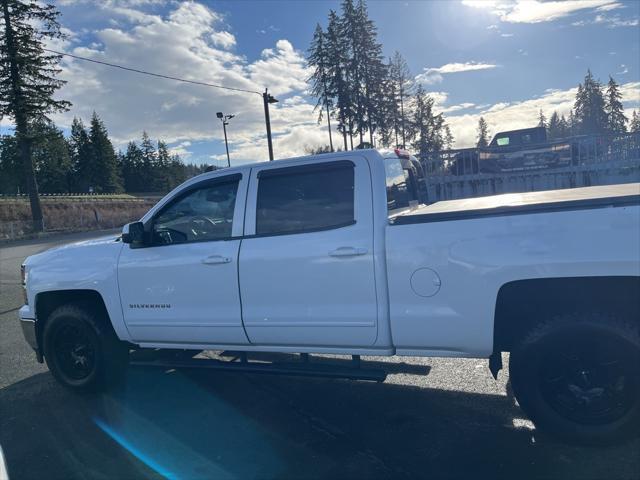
[(578, 378), (81, 351)]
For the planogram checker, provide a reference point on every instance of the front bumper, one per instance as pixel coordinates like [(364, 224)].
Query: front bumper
[(28, 324)]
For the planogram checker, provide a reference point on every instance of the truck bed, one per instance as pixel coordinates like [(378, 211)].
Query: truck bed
[(521, 203)]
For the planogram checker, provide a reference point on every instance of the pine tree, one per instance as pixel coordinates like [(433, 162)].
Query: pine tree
[(366, 71), (337, 68), (148, 163), (448, 137), (430, 129), (12, 180), (589, 107), (131, 167), (399, 92), (104, 174), (554, 127), (572, 124), (564, 128), (51, 158), (163, 180), (616, 119), (542, 120), (80, 152), (374, 72), (483, 133), (28, 79), (349, 35), (318, 60), (634, 126)]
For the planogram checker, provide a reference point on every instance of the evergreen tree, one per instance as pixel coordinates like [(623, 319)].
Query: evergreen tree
[(337, 68), (430, 129), (349, 37), (572, 124), (483, 133), (28, 79), (12, 181), (178, 171), (554, 128), (564, 128), (542, 120), (589, 107), (163, 180), (366, 72), (318, 60), (399, 91), (104, 175), (374, 72), (448, 137), (148, 163), (634, 126), (616, 119), (131, 167), (51, 159), (80, 153)]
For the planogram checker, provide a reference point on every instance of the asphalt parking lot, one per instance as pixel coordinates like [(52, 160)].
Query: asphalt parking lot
[(454, 421)]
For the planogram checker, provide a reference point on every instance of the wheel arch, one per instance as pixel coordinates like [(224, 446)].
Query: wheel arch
[(523, 304), (47, 302)]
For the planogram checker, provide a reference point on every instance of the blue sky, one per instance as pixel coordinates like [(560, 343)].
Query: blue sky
[(502, 59)]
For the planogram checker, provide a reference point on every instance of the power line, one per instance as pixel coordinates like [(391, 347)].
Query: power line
[(158, 75)]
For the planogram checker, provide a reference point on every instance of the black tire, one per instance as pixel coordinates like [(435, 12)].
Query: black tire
[(577, 377), (82, 350)]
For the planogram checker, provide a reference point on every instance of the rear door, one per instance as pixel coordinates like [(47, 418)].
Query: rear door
[(306, 261)]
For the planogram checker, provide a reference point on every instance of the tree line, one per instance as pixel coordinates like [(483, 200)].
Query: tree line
[(87, 162), (597, 110), (365, 94)]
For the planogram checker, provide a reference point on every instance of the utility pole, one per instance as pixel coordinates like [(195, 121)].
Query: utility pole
[(225, 121), (267, 99)]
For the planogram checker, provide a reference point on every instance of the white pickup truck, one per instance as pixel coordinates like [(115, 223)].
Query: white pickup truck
[(328, 254)]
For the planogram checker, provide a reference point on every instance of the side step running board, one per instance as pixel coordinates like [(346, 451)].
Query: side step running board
[(305, 368)]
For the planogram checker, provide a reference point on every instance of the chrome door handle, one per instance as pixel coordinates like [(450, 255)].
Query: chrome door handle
[(347, 252), (216, 260)]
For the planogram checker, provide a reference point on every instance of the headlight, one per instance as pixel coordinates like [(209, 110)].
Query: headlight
[(23, 274)]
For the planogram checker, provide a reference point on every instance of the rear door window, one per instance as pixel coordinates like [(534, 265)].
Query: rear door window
[(305, 198)]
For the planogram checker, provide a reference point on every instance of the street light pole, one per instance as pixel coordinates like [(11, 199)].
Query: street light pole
[(226, 144), (267, 99), (225, 121)]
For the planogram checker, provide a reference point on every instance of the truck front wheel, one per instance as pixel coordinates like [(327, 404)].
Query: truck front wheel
[(82, 351), (578, 378)]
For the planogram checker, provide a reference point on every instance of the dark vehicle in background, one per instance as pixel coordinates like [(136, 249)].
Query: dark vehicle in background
[(523, 150), (515, 151)]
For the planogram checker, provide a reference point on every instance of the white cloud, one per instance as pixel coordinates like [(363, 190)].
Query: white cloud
[(432, 75), (188, 43), (223, 39), (522, 114), (536, 11)]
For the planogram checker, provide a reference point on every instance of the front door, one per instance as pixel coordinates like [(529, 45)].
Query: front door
[(182, 287), (306, 263)]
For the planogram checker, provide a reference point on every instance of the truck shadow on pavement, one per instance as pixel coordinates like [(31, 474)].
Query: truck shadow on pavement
[(201, 424)]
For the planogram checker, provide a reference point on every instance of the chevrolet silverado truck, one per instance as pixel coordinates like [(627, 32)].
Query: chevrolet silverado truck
[(326, 255)]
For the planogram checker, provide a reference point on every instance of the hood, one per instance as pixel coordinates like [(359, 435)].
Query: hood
[(92, 249)]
